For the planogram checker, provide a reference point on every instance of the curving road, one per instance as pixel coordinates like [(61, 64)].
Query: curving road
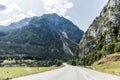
[(70, 73)]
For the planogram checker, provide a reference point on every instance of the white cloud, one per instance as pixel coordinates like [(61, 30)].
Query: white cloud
[(57, 6), (30, 13), (10, 6), (16, 18), (5, 21), (13, 11), (13, 18)]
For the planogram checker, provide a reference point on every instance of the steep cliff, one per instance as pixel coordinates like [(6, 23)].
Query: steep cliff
[(103, 36), (98, 30)]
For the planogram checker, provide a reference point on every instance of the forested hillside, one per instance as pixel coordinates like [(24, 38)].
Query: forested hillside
[(103, 35)]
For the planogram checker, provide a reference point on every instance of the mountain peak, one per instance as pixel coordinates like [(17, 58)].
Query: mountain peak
[(53, 15), (48, 36)]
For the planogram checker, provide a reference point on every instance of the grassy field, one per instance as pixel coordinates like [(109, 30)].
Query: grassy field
[(109, 64), (111, 67), (12, 72)]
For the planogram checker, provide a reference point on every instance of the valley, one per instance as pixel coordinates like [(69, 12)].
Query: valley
[(53, 46)]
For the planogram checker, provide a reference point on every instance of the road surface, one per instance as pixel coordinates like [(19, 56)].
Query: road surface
[(70, 73)]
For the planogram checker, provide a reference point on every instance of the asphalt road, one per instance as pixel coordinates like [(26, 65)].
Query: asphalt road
[(70, 73)]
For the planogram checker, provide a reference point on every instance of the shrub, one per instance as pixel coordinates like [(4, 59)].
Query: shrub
[(72, 62), (59, 63), (117, 48), (109, 48)]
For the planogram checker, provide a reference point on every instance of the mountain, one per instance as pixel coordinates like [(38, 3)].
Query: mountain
[(47, 37), (15, 25), (103, 35)]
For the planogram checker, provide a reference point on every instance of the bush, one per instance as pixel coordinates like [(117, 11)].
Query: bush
[(118, 37), (109, 48), (72, 62), (59, 63), (99, 46), (117, 48), (9, 61)]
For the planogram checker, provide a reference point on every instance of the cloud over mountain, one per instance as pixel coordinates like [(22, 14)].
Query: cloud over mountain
[(2, 7), (14, 11), (57, 6), (8, 6)]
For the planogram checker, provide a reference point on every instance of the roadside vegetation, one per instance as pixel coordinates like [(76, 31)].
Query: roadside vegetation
[(106, 44), (109, 64), (12, 67), (12, 62), (7, 73)]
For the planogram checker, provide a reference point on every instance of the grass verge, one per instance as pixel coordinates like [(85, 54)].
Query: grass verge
[(13, 72), (110, 64)]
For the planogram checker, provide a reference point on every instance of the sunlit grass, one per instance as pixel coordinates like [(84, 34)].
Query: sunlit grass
[(12, 72), (111, 67), (109, 64)]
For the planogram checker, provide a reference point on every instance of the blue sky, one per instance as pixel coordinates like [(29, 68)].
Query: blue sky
[(80, 12)]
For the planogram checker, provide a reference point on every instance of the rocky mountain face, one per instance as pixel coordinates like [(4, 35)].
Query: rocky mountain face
[(45, 37), (104, 29)]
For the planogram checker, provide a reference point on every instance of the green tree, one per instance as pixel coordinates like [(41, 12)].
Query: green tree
[(117, 48), (109, 48), (77, 53)]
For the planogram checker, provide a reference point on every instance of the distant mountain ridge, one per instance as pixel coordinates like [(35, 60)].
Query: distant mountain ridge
[(45, 37), (15, 25)]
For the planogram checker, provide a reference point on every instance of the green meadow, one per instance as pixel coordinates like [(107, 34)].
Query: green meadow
[(111, 67), (13, 72), (109, 64)]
